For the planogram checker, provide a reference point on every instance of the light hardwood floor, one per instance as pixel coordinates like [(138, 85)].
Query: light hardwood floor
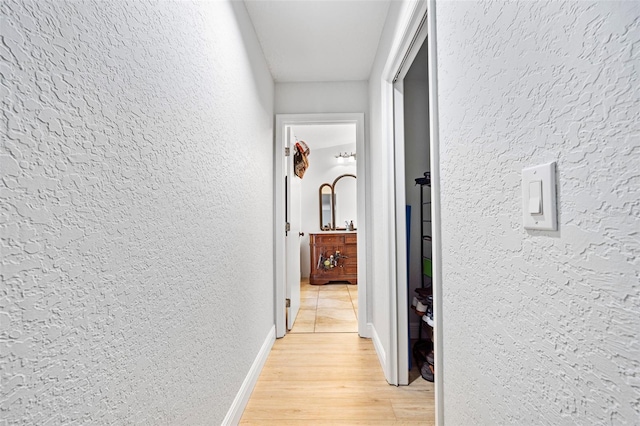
[(327, 377)]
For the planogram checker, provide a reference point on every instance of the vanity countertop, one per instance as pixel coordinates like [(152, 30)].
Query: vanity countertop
[(337, 231)]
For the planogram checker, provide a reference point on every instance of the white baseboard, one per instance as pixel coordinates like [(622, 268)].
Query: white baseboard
[(377, 344), (242, 398)]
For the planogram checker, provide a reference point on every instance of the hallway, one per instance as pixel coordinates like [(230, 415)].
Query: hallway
[(333, 378), (141, 235)]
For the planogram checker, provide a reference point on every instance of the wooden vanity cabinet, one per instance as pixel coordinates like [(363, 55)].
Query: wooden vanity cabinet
[(323, 245)]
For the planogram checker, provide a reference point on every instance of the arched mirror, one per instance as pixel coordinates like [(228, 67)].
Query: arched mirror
[(345, 201), (338, 203), (326, 206)]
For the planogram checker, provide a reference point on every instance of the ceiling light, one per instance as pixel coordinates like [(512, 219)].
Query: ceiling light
[(350, 157)]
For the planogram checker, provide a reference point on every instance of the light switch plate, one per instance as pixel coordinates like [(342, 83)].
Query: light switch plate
[(547, 220)]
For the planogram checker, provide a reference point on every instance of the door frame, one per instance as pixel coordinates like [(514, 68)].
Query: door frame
[(283, 120), (411, 35), (406, 45)]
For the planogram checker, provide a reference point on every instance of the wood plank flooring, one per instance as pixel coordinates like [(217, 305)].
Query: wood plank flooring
[(333, 378)]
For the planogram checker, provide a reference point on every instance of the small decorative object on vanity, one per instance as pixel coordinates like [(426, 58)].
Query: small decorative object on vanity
[(334, 257)]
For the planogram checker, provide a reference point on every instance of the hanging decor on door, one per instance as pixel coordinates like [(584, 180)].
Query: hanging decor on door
[(300, 158)]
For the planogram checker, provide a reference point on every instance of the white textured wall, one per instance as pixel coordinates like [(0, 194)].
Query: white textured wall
[(321, 97), (136, 215), (540, 327)]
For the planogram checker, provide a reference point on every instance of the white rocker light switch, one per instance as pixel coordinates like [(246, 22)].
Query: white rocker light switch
[(535, 197), (539, 197)]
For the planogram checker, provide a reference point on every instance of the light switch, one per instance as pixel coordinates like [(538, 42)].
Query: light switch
[(535, 197), (539, 197)]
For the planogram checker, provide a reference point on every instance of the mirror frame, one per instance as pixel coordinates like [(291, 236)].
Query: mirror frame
[(320, 193), (333, 200), (332, 186)]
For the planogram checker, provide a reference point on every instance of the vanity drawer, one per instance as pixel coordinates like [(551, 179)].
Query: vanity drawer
[(351, 238), (349, 263), (328, 239), (350, 269), (350, 250)]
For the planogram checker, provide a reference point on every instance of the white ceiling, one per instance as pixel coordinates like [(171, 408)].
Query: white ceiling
[(320, 136), (318, 40)]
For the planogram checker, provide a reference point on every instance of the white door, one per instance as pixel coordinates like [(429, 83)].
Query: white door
[(294, 218)]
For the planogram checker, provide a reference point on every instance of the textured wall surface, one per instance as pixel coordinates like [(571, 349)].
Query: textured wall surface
[(321, 97), (136, 216), (540, 327)]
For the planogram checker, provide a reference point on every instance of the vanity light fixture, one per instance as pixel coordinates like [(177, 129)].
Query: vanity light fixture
[(349, 157)]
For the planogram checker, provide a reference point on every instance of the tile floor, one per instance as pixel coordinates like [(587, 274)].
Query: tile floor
[(329, 308)]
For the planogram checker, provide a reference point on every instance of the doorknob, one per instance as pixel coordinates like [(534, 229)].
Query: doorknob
[(301, 234)]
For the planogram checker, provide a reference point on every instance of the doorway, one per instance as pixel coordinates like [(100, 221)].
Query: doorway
[(330, 154), (418, 32), (328, 209), (418, 217)]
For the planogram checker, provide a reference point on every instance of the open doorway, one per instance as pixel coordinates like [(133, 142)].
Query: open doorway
[(328, 228), (332, 236), (418, 217)]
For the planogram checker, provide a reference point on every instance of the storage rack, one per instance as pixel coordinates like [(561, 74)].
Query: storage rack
[(425, 236)]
